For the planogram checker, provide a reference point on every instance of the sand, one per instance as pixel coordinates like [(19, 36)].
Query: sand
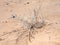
[(17, 16)]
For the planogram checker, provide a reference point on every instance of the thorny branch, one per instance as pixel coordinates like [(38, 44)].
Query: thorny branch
[(30, 27)]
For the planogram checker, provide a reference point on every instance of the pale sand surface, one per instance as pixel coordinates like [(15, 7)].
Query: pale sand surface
[(11, 27)]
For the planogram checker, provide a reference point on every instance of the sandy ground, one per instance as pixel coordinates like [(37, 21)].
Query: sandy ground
[(15, 13)]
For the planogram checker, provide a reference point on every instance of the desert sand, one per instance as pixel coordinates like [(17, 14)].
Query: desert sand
[(29, 22)]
